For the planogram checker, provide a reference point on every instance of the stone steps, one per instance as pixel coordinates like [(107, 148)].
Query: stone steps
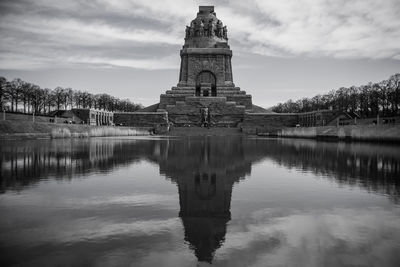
[(192, 92), (169, 92), (202, 131), (192, 89)]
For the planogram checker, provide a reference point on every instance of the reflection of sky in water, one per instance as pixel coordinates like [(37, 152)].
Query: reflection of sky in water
[(282, 204)]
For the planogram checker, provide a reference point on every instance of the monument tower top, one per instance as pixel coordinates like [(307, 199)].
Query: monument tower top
[(206, 30), (206, 9)]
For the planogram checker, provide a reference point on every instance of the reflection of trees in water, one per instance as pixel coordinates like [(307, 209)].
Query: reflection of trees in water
[(27, 162), (204, 169), (373, 167)]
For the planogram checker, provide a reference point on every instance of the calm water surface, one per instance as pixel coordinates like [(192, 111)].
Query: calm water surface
[(232, 201)]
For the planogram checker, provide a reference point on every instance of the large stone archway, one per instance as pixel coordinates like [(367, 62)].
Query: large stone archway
[(206, 84)]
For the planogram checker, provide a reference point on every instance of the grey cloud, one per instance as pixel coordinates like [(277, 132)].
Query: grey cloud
[(137, 32), (35, 34), (333, 237)]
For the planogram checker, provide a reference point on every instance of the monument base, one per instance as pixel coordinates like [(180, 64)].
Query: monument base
[(220, 112)]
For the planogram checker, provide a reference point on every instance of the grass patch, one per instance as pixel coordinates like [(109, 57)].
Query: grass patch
[(29, 129)]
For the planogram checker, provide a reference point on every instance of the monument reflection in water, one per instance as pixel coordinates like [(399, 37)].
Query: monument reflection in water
[(205, 171)]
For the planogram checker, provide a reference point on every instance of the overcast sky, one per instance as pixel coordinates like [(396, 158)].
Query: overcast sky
[(130, 48)]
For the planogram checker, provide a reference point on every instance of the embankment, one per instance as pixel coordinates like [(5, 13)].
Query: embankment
[(380, 133), (29, 130)]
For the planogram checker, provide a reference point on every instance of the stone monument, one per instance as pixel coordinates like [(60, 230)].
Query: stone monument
[(205, 78)]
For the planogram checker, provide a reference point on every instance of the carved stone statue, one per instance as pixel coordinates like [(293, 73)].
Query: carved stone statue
[(206, 29), (205, 117), (211, 28), (225, 32), (201, 29), (219, 28), (187, 31), (191, 32)]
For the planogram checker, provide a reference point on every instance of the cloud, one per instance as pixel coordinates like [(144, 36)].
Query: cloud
[(343, 29), (138, 33), (329, 237)]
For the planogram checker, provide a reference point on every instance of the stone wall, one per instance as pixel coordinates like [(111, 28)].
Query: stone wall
[(348, 132), (169, 99), (84, 115), (243, 100), (222, 112), (317, 118), (41, 118), (24, 117), (141, 119), (217, 61), (254, 123)]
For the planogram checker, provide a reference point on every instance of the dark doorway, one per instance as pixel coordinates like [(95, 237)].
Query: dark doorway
[(206, 77), (213, 90)]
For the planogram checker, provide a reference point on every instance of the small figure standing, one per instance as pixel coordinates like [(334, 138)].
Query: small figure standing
[(211, 28), (201, 30), (191, 32), (219, 28), (192, 28), (187, 31), (205, 117), (225, 32), (208, 119)]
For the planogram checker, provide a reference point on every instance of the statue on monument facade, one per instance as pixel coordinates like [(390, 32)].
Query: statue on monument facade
[(219, 28), (225, 32), (206, 27), (205, 118), (201, 29), (187, 31), (211, 28), (191, 32)]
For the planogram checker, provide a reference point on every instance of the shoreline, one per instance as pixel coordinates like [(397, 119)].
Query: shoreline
[(347, 133), (22, 130)]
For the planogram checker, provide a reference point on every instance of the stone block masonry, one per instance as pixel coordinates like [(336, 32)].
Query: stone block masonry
[(141, 119), (380, 133), (254, 123), (222, 112)]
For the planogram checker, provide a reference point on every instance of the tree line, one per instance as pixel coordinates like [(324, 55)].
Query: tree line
[(18, 95), (382, 98)]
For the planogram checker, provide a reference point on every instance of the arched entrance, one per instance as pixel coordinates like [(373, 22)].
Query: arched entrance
[(206, 84)]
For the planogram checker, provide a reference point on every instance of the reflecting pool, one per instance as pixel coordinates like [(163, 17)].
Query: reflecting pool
[(223, 201)]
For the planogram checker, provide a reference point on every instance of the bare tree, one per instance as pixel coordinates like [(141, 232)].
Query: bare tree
[(3, 82), (368, 100), (38, 100)]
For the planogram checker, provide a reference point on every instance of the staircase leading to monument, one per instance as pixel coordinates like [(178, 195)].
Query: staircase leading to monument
[(187, 112), (202, 131)]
